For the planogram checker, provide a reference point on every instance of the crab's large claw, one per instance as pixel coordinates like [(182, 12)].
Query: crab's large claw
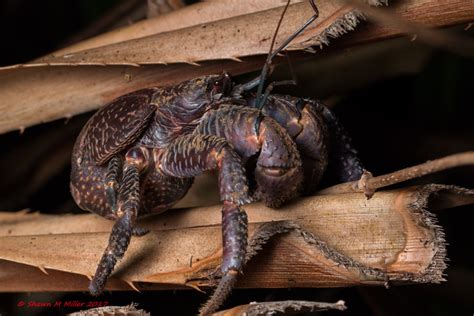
[(319, 136), (278, 171)]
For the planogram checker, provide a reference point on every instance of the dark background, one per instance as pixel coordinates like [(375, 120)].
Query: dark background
[(403, 103)]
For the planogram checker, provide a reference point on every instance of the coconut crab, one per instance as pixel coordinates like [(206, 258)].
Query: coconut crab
[(138, 156)]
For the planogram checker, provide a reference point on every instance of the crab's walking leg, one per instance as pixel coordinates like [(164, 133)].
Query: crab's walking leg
[(136, 160), (111, 181), (234, 235), (189, 156), (121, 232), (344, 159)]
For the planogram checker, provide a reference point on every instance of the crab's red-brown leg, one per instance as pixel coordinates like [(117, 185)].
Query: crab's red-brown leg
[(189, 156), (136, 160), (345, 162), (111, 181)]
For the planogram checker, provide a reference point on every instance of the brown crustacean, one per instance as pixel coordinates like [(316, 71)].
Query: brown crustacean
[(138, 156)]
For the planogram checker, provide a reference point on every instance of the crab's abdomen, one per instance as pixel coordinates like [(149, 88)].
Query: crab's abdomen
[(88, 185), (160, 192)]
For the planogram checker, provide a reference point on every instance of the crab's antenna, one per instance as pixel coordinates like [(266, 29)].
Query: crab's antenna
[(271, 55)]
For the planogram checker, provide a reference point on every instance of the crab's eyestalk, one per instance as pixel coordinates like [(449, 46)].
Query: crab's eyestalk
[(220, 87)]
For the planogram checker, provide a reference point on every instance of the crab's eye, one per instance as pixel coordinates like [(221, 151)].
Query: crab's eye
[(221, 86), (218, 86)]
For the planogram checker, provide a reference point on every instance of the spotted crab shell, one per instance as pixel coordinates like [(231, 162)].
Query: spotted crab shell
[(118, 125)]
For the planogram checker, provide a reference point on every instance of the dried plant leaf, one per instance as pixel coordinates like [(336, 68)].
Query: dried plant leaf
[(281, 308), (129, 310), (198, 13), (231, 38), (390, 236), (421, 17), (61, 92), (36, 95)]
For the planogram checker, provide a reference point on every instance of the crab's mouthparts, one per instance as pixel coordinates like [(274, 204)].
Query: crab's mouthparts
[(217, 96)]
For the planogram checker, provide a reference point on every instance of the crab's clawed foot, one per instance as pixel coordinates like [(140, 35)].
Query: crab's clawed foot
[(234, 234), (118, 244)]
